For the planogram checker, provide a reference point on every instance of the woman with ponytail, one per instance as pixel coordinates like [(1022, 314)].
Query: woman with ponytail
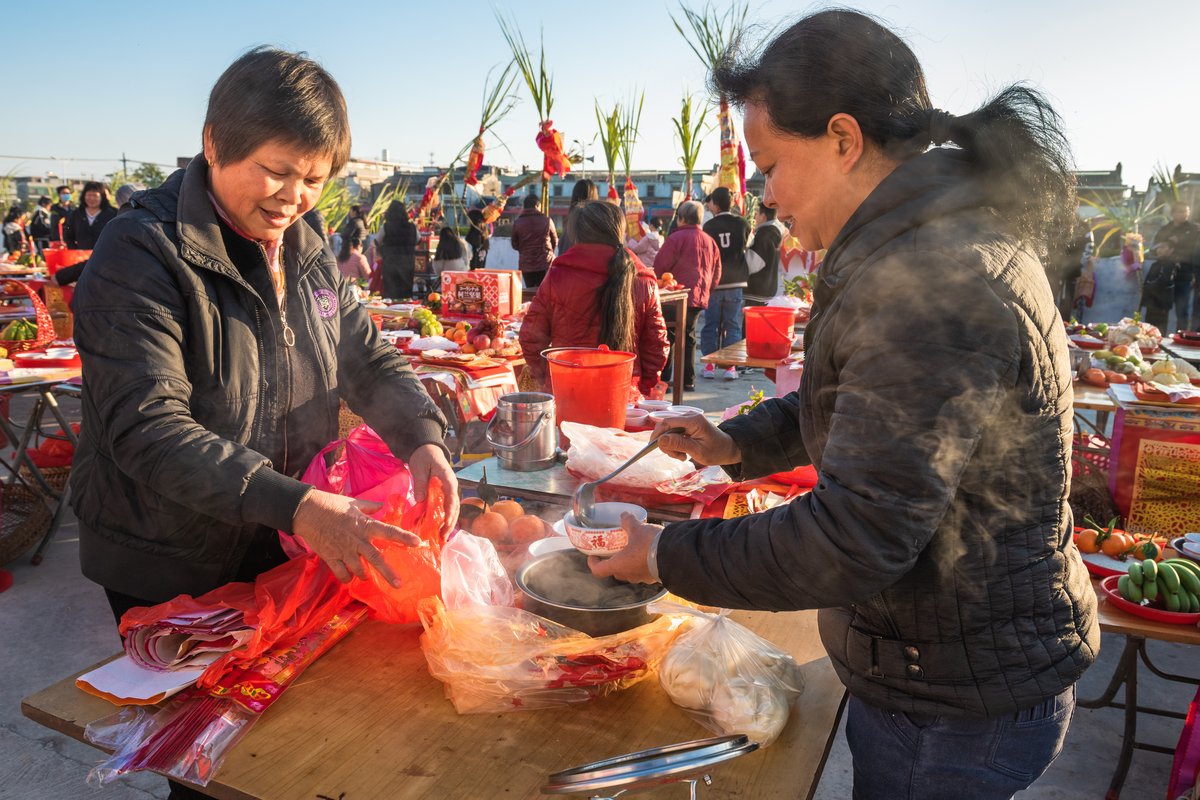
[(935, 406), (597, 292)]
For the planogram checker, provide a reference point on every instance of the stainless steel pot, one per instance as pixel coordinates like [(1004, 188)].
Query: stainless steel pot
[(545, 583), (523, 433)]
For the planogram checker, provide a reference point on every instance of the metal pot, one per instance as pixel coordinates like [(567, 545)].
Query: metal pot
[(523, 433), (539, 579)]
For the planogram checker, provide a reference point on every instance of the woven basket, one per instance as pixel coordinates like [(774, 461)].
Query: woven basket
[(347, 421), (45, 325), (25, 520), (56, 477)]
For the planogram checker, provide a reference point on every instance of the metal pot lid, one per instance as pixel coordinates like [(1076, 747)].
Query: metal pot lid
[(648, 768)]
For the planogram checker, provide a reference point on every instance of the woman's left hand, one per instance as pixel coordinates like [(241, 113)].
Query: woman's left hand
[(429, 461), (629, 565)]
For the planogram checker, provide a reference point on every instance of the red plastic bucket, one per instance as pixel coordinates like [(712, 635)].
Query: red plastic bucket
[(590, 385), (59, 257), (769, 331)]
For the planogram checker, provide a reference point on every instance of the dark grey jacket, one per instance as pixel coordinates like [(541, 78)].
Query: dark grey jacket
[(936, 406), (195, 413)]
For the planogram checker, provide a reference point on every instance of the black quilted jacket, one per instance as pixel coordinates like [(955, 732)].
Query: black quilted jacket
[(936, 406)]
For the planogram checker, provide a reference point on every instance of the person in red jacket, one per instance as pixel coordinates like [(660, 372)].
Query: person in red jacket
[(693, 258), (534, 238), (597, 293)]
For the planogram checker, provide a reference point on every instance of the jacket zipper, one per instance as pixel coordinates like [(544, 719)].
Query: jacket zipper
[(289, 339)]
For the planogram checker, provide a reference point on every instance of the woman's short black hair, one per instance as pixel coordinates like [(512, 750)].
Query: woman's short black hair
[(273, 95), (45, 201), (14, 213), (842, 61), (95, 186)]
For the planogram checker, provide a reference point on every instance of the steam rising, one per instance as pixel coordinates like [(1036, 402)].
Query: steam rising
[(564, 578)]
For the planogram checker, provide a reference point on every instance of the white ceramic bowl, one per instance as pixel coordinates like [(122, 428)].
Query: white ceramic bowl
[(681, 410), (608, 537), (549, 545), (636, 417), (654, 405)]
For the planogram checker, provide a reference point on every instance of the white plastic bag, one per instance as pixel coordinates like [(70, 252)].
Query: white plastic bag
[(728, 678), (472, 574), (595, 452)]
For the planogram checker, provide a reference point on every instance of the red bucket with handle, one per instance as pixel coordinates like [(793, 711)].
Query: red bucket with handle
[(590, 385), (769, 331)]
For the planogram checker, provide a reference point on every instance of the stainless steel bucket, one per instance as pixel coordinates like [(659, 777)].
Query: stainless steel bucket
[(523, 432)]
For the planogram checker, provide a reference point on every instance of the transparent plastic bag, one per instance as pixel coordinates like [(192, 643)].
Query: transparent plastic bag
[(595, 452), (472, 574), (728, 678), (494, 659)]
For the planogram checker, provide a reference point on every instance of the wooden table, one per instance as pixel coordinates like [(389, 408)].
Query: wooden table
[(734, 355), (555, 486), (1136, 631), (1188, 352), (367, 721)]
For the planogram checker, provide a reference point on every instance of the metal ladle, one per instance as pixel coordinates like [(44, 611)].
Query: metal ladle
[(584, 502)]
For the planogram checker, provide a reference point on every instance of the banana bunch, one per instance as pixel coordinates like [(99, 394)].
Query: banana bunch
[(1173, 584), (19, 331)]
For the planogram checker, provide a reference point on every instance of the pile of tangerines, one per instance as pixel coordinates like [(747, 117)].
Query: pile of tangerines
[(504, 522)]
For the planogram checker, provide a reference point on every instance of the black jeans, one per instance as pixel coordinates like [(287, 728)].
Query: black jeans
[(263, 555), (689, 345)]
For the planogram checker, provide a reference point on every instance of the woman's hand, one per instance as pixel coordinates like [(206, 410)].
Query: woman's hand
[(629, 565), (429, 461), (340, 532), (703, 442)]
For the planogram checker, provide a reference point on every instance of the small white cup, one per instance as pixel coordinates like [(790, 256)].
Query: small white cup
[(654, 405), (681, 410)]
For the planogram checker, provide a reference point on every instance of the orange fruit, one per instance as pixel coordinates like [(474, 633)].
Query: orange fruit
[(528, 529), (434, 297), (1116, 544), (467, 348), (1086, 541), (491, 525), (509, 509), (474, 501), (667, 278)]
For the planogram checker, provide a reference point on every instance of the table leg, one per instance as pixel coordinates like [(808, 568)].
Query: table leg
[(680, 350), (1126, 674)]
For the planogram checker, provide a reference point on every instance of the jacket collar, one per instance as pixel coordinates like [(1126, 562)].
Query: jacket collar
[(595, 258), (183, 199), (932, 185)]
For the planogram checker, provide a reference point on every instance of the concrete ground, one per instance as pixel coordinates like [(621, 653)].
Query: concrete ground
[(54, 622)]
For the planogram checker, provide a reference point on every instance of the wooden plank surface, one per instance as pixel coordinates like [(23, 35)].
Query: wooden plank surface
[(367, 720), (735, 356), (1114, 620), (1093, 398)]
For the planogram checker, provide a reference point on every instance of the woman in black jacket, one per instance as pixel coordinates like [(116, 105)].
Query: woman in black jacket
[(85, 223), (935, 405), (399, 252), (218, 340)]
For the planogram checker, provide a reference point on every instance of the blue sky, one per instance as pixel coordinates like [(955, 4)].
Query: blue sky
[(134, 76)]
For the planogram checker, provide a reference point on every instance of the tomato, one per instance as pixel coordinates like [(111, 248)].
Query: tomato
[(1117, 544), (1086, 541), (1115, 377)]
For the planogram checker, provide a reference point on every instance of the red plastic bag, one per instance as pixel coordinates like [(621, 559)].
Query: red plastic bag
[(365, 469)]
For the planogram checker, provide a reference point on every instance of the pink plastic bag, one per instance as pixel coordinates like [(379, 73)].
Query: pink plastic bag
[(365, 469)]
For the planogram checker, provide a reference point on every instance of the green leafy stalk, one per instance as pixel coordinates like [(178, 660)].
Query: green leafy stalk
[(537, 78), (1165, 179), (612, 133), (631, 121), (334, 204), (385, 198), (710, 33), (691, 136), (1122, 218)]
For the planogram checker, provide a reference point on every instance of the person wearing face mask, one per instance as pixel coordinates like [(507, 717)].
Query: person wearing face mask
[(935, 406), (60, 211), (86, 222), (217, 340)]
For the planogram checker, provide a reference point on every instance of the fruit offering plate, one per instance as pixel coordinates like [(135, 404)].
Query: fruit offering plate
[(1103, 566), (1109, 587), (443, 358), (1086, 342), (1149, 393)]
